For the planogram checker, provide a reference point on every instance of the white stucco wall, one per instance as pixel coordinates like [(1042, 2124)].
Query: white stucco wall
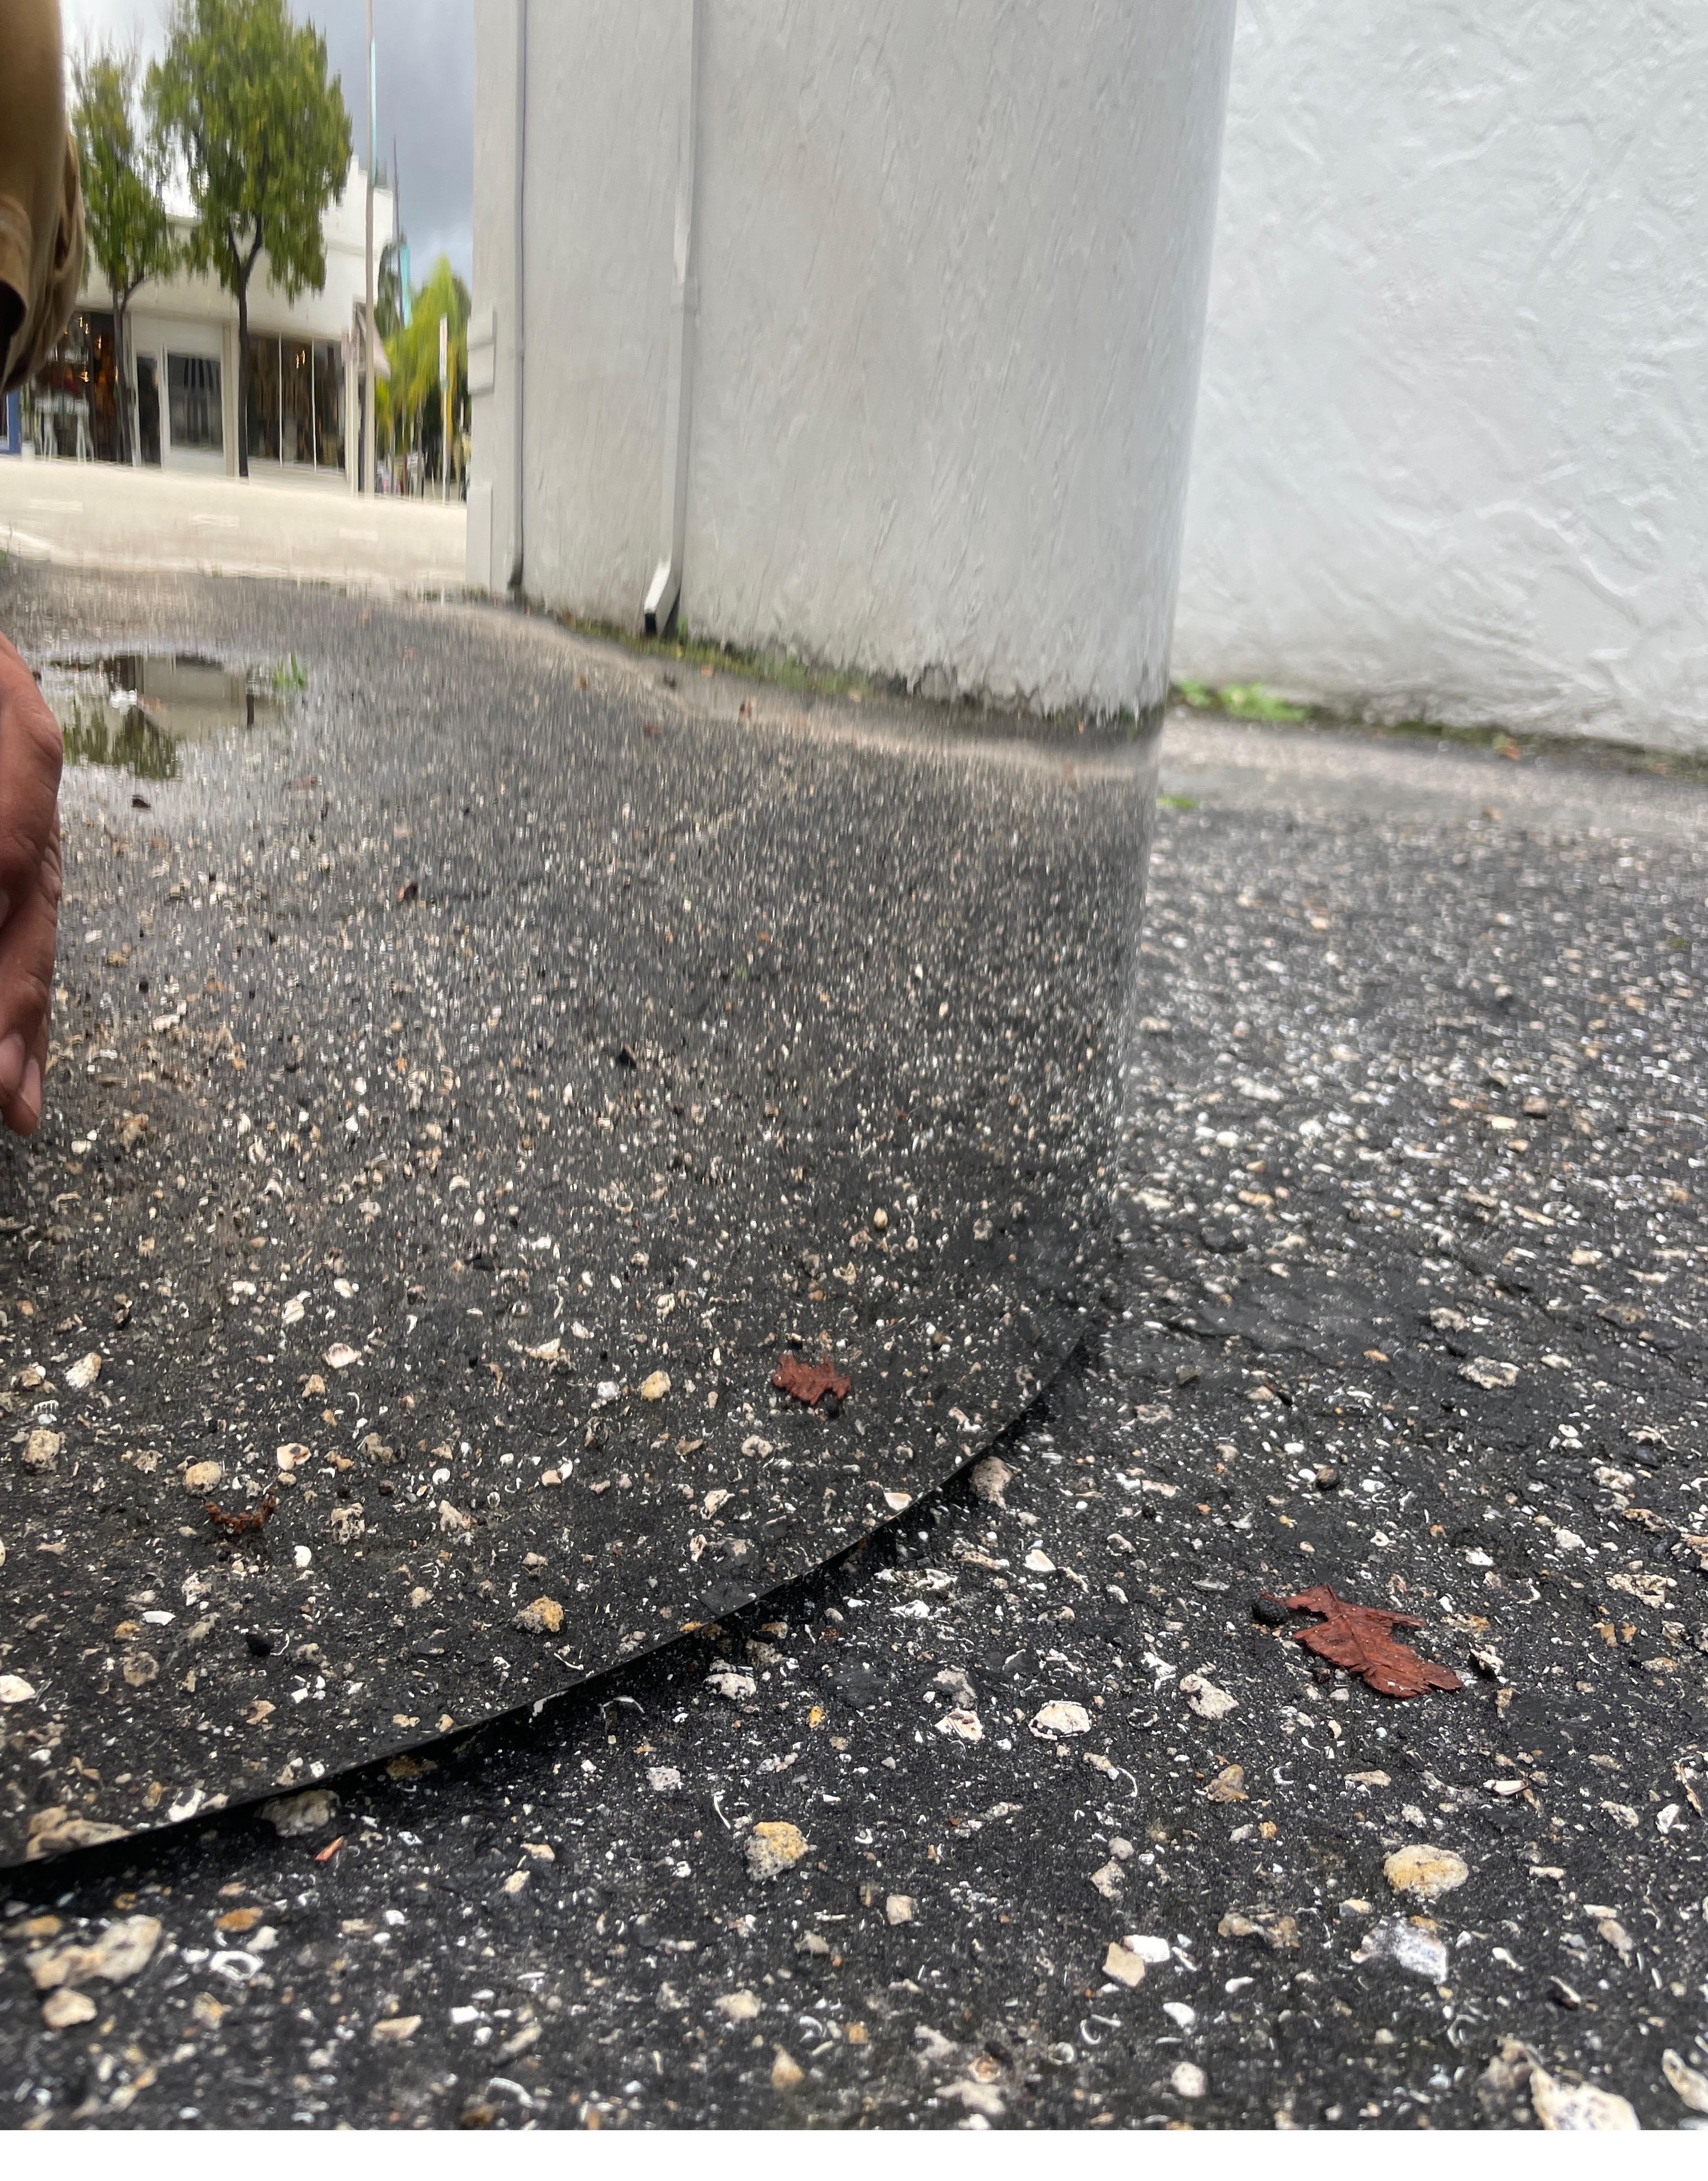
[(1451, 440), (952, 257)]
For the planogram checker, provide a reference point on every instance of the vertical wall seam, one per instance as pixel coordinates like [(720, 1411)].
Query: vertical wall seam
[(666, 586), (520, 303)]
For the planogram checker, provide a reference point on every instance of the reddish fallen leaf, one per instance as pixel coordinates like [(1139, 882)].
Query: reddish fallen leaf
[(237, 1525), (327, 1853), (811, 1382), (1361, 1638)]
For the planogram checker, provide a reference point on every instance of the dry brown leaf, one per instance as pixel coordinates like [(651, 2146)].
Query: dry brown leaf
[(1361, 1638), (810, 1381), (238, 1525)]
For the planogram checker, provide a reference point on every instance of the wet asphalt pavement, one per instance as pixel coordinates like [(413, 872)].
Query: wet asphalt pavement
[(1021, 1815)]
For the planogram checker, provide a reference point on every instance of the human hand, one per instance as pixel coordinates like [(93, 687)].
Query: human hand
[(30, 754)]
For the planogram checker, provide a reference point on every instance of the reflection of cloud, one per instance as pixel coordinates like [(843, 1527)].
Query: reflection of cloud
[(426, 97), (426, 51), (143, 21)]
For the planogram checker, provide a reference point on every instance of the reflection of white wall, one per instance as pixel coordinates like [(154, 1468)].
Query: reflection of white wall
[(1451, 432), (951, 263)]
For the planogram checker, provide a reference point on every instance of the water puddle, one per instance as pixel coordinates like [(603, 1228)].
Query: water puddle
[(134, 710)]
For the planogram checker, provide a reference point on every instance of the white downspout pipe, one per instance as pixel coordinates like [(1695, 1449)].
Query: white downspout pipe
[(666, 585), (370, 337), (520, 294)]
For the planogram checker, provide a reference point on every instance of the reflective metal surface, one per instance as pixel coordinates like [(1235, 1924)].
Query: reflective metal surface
[(539, 1045)]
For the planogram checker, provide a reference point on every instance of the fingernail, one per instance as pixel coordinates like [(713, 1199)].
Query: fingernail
[(12, 1054), (29, 1097)]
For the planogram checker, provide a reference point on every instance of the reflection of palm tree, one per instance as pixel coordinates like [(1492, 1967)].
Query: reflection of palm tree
[(388, 291), (412, 404)]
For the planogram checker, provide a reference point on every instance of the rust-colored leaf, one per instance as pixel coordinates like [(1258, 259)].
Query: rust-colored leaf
[(811, 1382), (1361, 1638), (238, 1525)]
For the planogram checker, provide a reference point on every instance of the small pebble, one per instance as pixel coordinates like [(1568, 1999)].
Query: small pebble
[(64, 2008), (1425, 1872), (1418, 1953), (1578, 2107), (1060, 1717), (293, 1817), (773, 1846), (115, 1956), (1205, 1698)]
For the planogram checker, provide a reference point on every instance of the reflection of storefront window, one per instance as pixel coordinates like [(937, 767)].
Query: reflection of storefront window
[(193, 404), (263, 403), (75, 404), (297, 439), (148, 410), (296, 407), (328, 406)]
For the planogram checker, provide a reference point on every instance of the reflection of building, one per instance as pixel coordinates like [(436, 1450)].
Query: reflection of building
[(181, 369), (73, 403), (859, 335)]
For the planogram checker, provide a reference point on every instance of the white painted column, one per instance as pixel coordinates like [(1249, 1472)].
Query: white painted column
[(950, 263), (494, 533)]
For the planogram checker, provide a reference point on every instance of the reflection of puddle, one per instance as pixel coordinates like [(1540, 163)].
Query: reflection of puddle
[(131, 710)]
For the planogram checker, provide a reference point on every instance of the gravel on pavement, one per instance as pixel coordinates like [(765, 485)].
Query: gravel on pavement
[(1029, 1810)]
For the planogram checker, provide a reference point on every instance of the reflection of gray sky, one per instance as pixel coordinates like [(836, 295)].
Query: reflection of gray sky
[(426, 98)]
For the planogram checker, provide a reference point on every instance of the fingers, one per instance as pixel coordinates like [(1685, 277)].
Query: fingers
[(15, 1055), (31, 1099), (30, 754), (21, 1109), (30, 883), (27, 944)]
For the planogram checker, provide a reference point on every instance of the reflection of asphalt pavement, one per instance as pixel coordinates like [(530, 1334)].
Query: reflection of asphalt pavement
[(479, 1079), (1411, 1302)]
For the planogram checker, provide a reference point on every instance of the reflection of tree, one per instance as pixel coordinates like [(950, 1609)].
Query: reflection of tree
[(133, 745), (243, 94), (411, 409), (123, 169)]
